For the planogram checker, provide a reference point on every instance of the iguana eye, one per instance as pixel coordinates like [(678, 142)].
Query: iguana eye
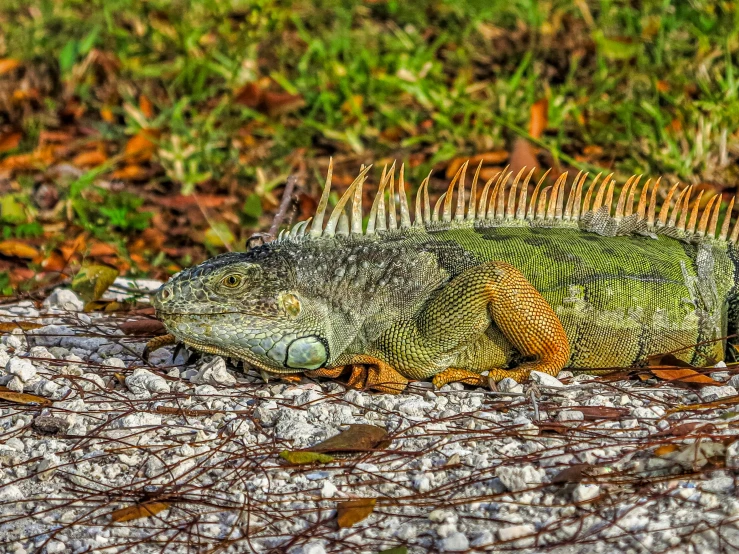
[(290, 303), (231, 281)]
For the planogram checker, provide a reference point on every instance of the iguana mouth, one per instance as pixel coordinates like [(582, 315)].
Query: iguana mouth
[(210, 349)]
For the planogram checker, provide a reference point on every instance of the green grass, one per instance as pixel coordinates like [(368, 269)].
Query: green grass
[(655, 87)]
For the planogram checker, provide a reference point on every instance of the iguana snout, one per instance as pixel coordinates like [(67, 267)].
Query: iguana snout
[(240, 306)]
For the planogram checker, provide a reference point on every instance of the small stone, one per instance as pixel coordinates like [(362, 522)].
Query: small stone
[(519, 478), (10, 493), (516, 531), (570, 415), (510, 385), (64, 299), (313, 548), (91, 382), (55, 547), (484, 538), (584, 493), (709, 394), (21, 368), (214, 372), (143, 382), (50, 425), (545, 380), (15, 384), (114, 362), (734, 381), (456, 542), (328, 490)]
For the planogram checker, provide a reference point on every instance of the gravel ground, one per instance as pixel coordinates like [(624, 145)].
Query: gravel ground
[(569, 465)]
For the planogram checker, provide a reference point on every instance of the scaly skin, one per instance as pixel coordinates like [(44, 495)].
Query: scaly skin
[(454, 300)]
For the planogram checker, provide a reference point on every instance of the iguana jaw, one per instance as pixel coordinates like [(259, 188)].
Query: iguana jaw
[(205, 333)]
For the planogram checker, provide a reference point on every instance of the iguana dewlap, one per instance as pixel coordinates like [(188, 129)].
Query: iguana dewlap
[(500, 285)]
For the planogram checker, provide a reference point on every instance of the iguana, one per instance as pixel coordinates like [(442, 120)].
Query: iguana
[(498, 287)]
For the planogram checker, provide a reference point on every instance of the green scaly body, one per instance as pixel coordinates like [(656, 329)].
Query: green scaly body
[(622, 286)]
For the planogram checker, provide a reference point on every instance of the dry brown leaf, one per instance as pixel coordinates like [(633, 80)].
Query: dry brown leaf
[(98, 249), (10, 326), (92, 158), (539, 118), (358, 438), (146, 107), (8, 141), (55, 262), (278, 103), (22, 398), (147, 509), (354, 511), (17, 249), (7, 65), (142, 145), (107, 114), (143, 327), (682, 375), (130, 173)]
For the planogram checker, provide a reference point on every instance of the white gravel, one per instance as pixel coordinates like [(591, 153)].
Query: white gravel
[(566, 465)]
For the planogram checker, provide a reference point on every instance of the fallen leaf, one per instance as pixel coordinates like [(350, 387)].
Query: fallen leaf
[(107, 114), (130, 173), (10, 326), (396, 550), (682, 375), (91, 158), (357, 438), (93, 280), (665, 449), (670, 368), (17, 249), (7, 65), (538, 118), (143, 327), (278, 103), (688, 428), (98, 249), (147, 509), (300, 457), (146, 107), (9, 141), (22, 398), (142, 145), (572, 474), (354, 511)]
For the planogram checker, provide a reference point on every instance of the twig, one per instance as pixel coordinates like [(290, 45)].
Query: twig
[(285, 203)]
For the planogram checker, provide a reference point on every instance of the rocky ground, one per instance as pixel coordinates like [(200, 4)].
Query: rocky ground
[(574, 464)]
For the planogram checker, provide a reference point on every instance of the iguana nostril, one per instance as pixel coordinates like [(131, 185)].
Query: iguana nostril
[(164, 294)]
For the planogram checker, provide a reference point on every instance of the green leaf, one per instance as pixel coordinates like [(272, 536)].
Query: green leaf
[(396, 550), (12, 210), (305, 457), (93, 280), (252, 206), (219, 235), (68, 56), (89, 41)]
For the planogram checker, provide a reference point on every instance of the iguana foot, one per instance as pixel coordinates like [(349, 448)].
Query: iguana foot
[(156, 343), (366, 373), (454, 375)]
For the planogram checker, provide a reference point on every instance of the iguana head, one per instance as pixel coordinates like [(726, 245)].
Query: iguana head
[(245, 305)]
